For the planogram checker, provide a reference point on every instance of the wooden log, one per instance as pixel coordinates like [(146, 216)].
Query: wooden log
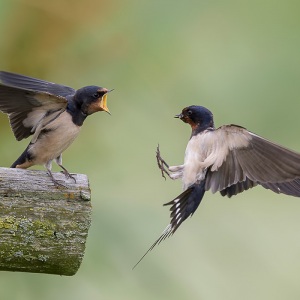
[(43, 227)]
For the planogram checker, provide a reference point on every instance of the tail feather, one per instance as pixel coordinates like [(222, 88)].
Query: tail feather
[(22, 159), (185, 204), (182, 207)]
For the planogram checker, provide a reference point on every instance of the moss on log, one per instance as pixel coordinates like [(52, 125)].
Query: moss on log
[(43, 227)]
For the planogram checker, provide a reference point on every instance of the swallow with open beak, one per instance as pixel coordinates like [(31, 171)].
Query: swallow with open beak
[(229, 159), (52, 113)]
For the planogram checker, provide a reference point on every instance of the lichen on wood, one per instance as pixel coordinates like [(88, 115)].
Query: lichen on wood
[(43, 227)]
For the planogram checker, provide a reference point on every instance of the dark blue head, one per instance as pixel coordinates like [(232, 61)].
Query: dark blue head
[(199, 117), (91, 99), (87, 101)]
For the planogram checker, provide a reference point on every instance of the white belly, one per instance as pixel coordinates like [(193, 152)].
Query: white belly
[(50, 145), (193, 162)]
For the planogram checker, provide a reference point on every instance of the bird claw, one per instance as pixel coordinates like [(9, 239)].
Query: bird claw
[(56, 181), (162, 164), (68, 175), (58, 184)]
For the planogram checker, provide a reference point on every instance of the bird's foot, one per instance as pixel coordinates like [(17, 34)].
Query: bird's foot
[(162, 165), (68, 175), (56, 182)]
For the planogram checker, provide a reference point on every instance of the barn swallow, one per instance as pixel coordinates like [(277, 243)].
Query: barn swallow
[(229, 159), (52, 113)]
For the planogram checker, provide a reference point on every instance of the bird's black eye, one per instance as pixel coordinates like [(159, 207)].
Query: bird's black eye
[(189, 113), (96, 95)]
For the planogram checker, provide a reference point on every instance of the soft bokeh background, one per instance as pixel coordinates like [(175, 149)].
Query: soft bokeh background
[(238, 58)]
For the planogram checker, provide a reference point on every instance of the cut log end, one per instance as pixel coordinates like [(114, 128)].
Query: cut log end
[(43, 227)]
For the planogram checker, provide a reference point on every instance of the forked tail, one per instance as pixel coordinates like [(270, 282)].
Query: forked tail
[(182, 207)]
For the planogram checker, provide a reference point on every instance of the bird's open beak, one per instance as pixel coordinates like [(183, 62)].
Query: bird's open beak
[(103, 102)]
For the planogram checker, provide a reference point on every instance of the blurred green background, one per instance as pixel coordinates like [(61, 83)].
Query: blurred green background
[(238, 58)]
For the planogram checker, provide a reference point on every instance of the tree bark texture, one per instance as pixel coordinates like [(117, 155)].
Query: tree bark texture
[(43, 227)]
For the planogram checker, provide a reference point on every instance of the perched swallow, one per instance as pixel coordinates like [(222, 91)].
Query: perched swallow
[(229, 159), (52, 113)]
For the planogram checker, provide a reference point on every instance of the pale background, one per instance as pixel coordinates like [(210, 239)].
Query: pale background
[(241, 59)]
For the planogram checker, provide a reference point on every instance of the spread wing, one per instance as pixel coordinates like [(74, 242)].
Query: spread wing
[(240, 160), (29, 83), (28, 110)]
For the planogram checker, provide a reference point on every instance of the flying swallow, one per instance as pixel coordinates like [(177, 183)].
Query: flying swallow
[(52, 113), (229, 159)]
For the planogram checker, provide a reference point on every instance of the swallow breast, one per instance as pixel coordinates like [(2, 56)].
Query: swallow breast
[(53, 139)]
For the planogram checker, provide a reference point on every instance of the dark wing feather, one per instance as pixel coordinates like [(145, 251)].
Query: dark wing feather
[(26, 108), (34, 84), (253, 161), (182, 207), (291, 188), (237, 188)]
